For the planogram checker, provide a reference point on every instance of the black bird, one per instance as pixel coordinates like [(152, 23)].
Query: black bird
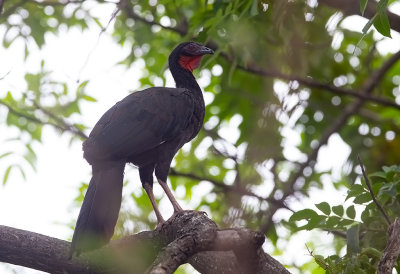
[(146, 128)]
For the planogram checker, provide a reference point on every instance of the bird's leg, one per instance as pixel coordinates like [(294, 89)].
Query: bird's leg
[(149, 191), (177, 207)]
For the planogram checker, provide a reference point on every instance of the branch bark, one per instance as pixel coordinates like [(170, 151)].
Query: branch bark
[(392, 250), (187, 237)]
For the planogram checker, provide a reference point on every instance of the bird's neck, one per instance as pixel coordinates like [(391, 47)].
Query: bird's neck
[(185, 79)]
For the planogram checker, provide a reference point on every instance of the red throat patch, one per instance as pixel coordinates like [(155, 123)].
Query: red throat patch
[(190, 62)]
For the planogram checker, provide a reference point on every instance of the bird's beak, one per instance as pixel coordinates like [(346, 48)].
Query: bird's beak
[(204, 50)]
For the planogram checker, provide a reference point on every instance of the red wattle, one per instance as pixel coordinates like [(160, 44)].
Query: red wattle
[(190, 62)]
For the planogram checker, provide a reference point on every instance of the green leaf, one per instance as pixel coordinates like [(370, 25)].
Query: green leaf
[(351, 212), (89, 98), (21, 170), (355, 190), (96, 20), (81, 87), (273, 236), (254, 8), (232, 70), (5, 154), (314, 222), (382, 24), (382, 5), (324, 207), (379, 174), (363, 198), (33, 81), (365, 215), (345, 222), (353, 239), (302, 215), (388, 189), (369, 24), (372, 252), (7, 174), (332, 222), (338, 210), (363, 6)]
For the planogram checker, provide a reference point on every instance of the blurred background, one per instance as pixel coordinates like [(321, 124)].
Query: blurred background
[(295, 91)]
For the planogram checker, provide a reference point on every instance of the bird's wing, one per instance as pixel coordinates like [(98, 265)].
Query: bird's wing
[(139, 122)]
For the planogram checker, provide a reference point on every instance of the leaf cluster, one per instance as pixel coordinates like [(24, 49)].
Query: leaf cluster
[(361, 227)]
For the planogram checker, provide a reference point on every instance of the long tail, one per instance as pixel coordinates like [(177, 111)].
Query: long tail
[(100, 208)]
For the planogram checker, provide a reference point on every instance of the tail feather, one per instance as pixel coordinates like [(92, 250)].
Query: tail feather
[(99, 211)]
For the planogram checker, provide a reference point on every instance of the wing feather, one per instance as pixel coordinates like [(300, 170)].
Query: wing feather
[(141, 121)]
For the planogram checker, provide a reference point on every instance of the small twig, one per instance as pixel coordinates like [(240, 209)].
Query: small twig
[(5, 75), (1, 5), (372, 192), (312, 83), (102, 31), (63, 124), (132, 14), (319, 261)]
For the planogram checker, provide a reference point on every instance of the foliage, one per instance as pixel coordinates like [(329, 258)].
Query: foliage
[(277, 88), (364, 230), (380, 20)]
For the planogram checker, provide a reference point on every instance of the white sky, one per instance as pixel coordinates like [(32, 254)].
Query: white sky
[(44, 202)]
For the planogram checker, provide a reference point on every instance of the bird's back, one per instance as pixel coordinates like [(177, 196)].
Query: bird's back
[(140, 123)]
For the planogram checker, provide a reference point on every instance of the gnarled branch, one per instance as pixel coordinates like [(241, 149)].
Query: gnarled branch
[(187, 237), (392, 250)]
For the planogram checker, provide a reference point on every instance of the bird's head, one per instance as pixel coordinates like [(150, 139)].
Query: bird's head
[(188, 55)]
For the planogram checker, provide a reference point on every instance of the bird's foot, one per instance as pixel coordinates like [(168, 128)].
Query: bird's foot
[(177, 208), (177, 212)]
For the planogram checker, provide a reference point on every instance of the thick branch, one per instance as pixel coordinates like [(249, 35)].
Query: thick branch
[(392, 249), (188, 236)]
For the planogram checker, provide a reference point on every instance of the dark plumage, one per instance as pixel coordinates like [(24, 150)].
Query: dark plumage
[(146, 128)]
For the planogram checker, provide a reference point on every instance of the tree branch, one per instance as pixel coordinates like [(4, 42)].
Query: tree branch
[(133, 15), (392, 249), (60, 124), (308, 82), (183, 238), (59, 121), (378, 205)]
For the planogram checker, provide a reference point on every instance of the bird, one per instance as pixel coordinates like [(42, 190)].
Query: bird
[(146, 128)]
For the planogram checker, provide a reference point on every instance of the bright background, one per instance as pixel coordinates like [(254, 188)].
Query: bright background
[(44, 203)]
